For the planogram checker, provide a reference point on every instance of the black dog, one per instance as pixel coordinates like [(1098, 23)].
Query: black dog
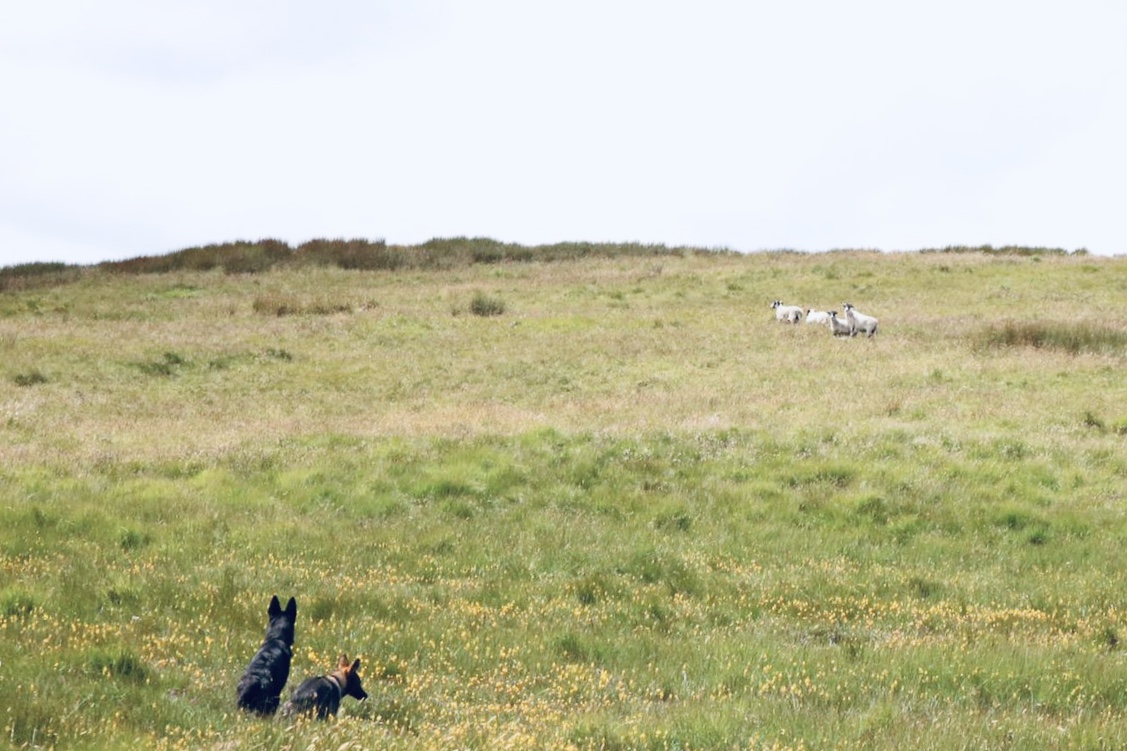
[(266, 675), (324, 692)]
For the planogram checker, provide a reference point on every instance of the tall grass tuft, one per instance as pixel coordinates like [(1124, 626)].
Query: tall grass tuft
[(1074, 338), (32, 377), (168, 365), (485, 305), (17, 603), (118, 662)]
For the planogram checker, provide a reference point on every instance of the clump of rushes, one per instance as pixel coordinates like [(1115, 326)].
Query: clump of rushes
[(484, 305), (30, 378), (167, 365), (1073, 338)]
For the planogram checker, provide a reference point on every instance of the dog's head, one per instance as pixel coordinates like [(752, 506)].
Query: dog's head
[(281, 624), (350, 678)]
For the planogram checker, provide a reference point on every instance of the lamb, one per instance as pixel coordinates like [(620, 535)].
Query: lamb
[(839, 327), (787, 313), (817, 316), (859, 321)]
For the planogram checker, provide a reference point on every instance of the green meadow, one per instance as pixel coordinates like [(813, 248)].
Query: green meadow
[(576, 497)]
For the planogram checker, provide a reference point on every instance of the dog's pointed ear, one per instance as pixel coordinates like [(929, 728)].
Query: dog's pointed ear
[(342, 662), (356, 665), (275, 608), (291, 608)]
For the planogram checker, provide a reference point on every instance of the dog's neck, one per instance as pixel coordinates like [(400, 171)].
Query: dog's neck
[(338, 678)]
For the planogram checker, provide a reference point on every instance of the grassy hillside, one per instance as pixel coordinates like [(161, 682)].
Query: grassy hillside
[(567, 498)]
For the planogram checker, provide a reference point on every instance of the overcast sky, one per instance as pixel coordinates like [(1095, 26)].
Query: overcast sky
[(140, 127)]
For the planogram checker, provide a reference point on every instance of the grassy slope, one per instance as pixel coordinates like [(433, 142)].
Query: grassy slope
[(630, 512)]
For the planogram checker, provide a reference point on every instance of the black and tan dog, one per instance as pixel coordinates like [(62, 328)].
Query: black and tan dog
[(262, 683), (323, 693)]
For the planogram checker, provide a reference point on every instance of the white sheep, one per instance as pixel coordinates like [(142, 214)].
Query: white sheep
[(787, 313), (859, 321), (817, 316), (838, 327)]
